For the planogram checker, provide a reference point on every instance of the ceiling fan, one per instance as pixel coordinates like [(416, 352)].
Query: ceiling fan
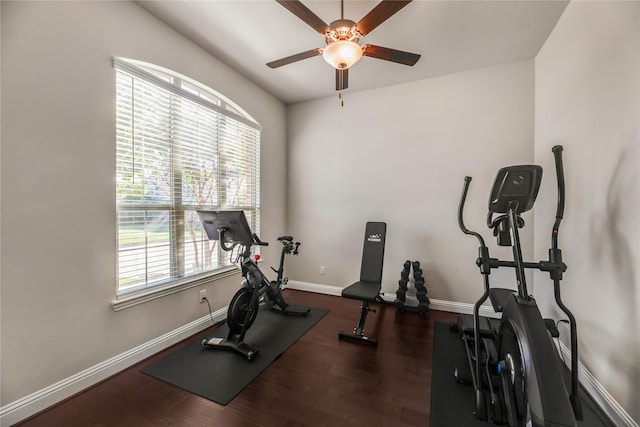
[(342, 36)]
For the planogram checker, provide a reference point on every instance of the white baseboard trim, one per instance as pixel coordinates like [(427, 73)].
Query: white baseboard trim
[(434, 304), (608, 404), (314, 287), (55, 393)]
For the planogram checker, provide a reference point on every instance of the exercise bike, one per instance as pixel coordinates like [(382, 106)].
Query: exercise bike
[(256, 291), (513, 360)]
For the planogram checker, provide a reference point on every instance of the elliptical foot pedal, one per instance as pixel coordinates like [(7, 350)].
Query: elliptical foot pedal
[(552, 328), (463, 376), (488, 326)]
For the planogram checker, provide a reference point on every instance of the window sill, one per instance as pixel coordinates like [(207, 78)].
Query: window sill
[(133, 299)]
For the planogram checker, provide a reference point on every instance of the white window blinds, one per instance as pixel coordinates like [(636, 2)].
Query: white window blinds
[(179, 148)]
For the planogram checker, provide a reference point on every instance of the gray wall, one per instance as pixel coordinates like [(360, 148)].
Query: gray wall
[(399, 155), (396, 154), (588, 100), (58, 248)]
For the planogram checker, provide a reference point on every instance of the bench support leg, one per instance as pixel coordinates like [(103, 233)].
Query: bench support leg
[(358, 331)]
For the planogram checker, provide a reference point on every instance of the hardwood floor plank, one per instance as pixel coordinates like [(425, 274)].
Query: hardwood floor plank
[(319, 381)]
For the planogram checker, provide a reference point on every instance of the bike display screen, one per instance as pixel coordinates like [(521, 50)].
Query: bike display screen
[(234, 223)]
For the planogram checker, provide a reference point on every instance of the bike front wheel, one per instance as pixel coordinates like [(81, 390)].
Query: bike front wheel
[(239, 307)]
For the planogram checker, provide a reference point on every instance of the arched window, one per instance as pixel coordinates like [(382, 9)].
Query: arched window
[(180, 147)]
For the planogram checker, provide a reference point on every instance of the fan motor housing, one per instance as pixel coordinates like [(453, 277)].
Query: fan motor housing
[(343, 29)]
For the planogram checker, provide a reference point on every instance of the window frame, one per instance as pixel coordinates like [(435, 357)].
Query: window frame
[(191, 90)]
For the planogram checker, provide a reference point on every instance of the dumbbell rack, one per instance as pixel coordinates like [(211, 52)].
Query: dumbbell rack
[(421, 290)]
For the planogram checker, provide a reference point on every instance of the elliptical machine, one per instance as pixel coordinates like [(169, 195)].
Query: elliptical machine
[(232, 230), (514, 359)]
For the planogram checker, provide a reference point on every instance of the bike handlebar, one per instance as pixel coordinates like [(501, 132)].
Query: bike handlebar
[(258, 241), (229, 245)]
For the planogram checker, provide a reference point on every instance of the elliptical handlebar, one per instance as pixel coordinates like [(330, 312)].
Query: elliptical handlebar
[(557, 154), (463, 198), (555, 259)]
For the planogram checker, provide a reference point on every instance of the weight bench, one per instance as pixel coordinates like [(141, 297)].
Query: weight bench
[(367, 289)]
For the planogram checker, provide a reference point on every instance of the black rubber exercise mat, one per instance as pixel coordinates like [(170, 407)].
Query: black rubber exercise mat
[(452, 404), (219, 375)]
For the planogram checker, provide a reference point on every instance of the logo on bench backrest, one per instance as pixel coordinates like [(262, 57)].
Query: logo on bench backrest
[(375, 238)]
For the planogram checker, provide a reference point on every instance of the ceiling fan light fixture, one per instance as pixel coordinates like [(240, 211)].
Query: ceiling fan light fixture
[(342, 54)]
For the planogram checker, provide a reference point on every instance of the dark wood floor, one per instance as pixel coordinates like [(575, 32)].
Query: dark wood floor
[(319, 381)]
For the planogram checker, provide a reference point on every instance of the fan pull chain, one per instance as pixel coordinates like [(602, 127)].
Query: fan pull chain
[(341, 98)]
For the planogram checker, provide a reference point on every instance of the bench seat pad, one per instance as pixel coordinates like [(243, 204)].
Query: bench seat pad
[(364, 291)]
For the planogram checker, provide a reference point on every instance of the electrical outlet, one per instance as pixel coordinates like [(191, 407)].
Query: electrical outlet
[(203, 295), (322, 270)]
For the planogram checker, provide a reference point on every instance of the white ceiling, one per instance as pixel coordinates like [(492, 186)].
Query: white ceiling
[(451, 36)]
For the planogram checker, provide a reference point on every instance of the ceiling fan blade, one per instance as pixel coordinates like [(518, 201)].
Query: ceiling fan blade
[(294, 58), (383, 11), (393, 55), (303, 12), (342, 79)]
